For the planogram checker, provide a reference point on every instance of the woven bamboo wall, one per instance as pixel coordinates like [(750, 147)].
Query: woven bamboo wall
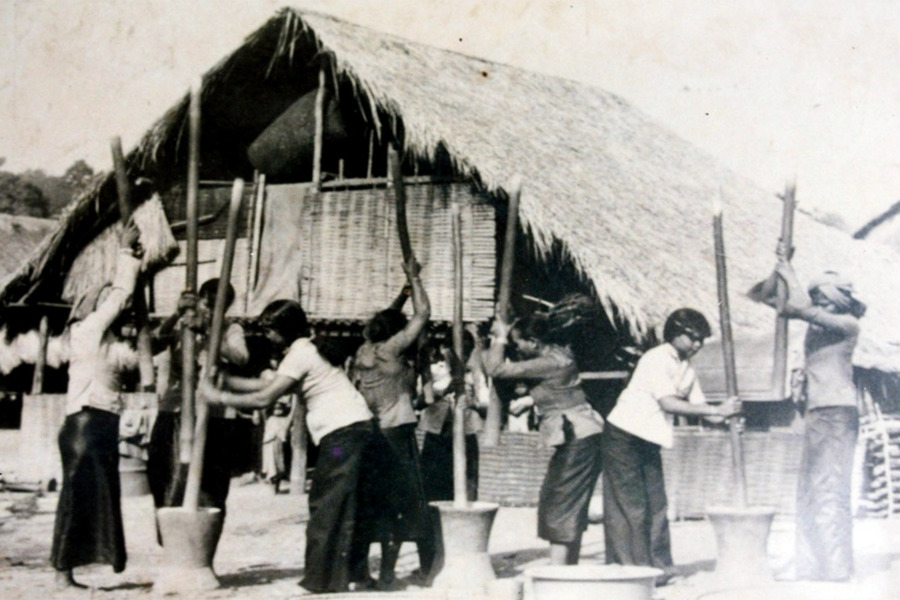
[(697, 470), (338, 251)]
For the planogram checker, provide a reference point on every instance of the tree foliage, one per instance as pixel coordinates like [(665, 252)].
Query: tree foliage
[(19, 197), (37, 194)]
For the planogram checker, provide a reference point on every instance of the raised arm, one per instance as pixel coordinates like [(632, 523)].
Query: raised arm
[(403, 340), (128, 265), (799, 305), (497, 367)]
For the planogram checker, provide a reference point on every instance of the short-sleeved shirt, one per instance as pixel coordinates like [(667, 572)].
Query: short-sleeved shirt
[(829, 363), (331, 400), (660, 372)]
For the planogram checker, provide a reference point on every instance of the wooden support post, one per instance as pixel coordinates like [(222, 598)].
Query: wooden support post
[(779, 360), (37, 380), (217, 330), (371, 155), (256, 233), (298, 447), (318, 141), (188, 340), (139, 300), (459, 400), (737, 451)]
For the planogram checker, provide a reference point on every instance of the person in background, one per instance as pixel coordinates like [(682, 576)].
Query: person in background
[(88, 527), (824, 533), (436, 419), (165, 473), (385, 374), (568, 424), (275, 440), (635, 524), (339, 423)]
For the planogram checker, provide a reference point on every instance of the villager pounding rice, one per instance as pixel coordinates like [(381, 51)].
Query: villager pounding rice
[(88, 525), (824, 535), (386, 377), (339, 422), (635, 523), (164, 471), (568, 423)]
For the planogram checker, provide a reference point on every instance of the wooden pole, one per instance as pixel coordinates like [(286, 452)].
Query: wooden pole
[(737, 451), (494, 419), (188, 340), (298, 448), (396, 175), (217, 330), (318, 140), (37, 380), (256, 234), (371, 155), (779, 360), (459, 400), (139, 301), (509, 248)]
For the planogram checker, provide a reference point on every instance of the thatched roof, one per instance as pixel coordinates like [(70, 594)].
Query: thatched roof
[(19, 236), (627, 200), (885, 228)]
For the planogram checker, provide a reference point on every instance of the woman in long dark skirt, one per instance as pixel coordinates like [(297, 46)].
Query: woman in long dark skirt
[(386, 377), (88, 526)]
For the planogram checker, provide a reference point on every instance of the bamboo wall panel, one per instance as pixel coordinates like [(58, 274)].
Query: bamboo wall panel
[(338, 251)]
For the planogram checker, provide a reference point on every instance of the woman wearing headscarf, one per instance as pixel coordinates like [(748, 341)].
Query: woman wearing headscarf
[(88, 527), (568, 424), (824, 519)]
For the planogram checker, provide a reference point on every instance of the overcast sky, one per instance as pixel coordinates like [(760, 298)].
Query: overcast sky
[(776, 90)]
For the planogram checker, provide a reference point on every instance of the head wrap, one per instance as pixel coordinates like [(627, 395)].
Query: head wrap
[(838, 290)]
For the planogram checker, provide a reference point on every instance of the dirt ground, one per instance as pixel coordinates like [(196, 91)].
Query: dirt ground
[(261, 551)]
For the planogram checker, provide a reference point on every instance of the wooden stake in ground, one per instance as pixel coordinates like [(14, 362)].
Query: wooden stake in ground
[(495, 409), (779, 360), (737, 451), (216, 331)]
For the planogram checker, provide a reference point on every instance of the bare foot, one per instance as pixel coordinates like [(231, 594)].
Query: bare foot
[(66, 581)]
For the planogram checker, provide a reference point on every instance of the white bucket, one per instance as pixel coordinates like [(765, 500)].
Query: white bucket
[(575, 582)]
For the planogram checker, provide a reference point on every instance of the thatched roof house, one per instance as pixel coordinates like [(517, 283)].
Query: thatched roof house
[(624, 202)]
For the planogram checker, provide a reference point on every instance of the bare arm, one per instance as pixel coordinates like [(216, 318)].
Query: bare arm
[(263, 398), (403, 340), (680, 406)]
